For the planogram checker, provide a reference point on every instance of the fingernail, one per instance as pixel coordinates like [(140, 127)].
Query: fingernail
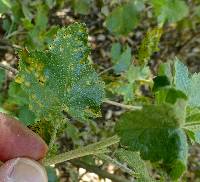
[(23, 169)]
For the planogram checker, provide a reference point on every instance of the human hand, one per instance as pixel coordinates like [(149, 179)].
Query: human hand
[(20, 149)]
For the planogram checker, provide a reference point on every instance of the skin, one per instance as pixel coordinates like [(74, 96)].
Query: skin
[(16, 140)]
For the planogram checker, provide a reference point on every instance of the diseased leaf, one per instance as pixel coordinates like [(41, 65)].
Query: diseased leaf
[(61, 78), (149, 45), (170, 10), (133, 160), (156, 132), (123, 19)]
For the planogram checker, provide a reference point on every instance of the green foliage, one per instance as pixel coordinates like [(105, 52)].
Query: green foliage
[(81, 6), (170, 10), (59, 82), (123, 19), (5, 5), (133, 160), (149, 45), (129, 82), (120, 58), (28, 17), (2, 77), (193, 124), (61, 79), (156, 132)]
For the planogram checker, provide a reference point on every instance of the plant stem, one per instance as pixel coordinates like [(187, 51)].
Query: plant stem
[(91, 149), (122, 105), (104, 71), (116, 163), (98, 171), (8, 68)]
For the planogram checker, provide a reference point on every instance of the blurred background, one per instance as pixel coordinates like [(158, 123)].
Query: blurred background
[(116, 30)]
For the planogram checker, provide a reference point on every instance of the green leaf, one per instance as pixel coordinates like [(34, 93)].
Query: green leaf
[(82, 6), (50, 3), (26, 11), (2, 77), (160, 82), (156, 132), (121, 60), (51, 172), (61, 78), (116, 50), (26, 116), (123, 19), (5, 6), (170, 10), (137, 73), (149, 45), (190, 85), (17, 95), (134, 161), (126, 90), (193, 124), (165, 70)]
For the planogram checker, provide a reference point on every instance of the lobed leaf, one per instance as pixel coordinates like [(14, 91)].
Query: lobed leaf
[(61, 78), (190, 85), (123, 19), (170, 10), (156, 132), (120, 58)]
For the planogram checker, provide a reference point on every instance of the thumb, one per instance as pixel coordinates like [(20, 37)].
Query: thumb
[(22, 169)]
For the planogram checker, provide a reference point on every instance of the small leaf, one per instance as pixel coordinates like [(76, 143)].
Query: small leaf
[(2, 77), (123, 19), (149, 45), (193, 124), (155, 132), (26, 10), (50, 3), (121, 60), (133, 160), (82, 6), (135, 73), (170, 10)]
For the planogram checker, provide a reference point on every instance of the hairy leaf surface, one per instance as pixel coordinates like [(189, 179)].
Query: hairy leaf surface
[(61, 78), (156, 132), (190, 85), (133, 160)]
